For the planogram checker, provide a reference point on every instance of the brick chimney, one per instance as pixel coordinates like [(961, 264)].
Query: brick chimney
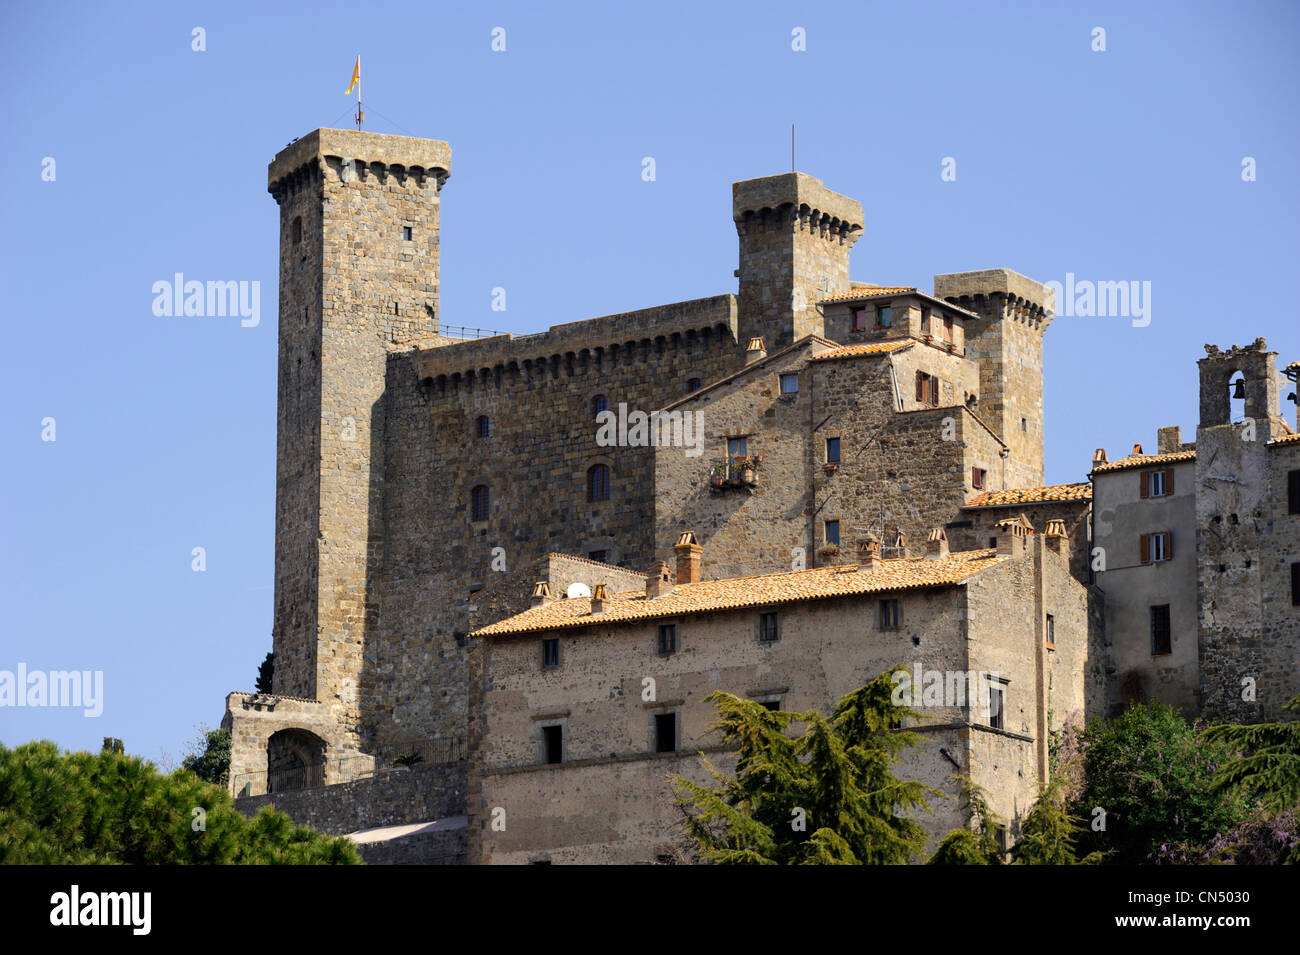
[(598, 598), (936, 545), (869, 554), (1169, 439), (541, 594), (1137, 449), (1011, 536), (1057, 540), (756, 351), (1099, 457), (659, 581), (689, 555)]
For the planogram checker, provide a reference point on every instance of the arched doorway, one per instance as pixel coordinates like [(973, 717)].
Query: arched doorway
[(295, 759)]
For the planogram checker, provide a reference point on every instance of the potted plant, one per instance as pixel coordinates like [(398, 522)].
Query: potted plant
[(718, 473), (831, 468), (747, 467), (828, 550)]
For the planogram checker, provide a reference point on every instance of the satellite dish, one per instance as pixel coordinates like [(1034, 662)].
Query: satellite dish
[(578, 590)]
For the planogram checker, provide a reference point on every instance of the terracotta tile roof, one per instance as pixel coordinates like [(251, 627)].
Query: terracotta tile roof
[(869, 291), (864, 348), (1286, 439), (1143, 460), (598, 563), (904, 573), (1032, 495)]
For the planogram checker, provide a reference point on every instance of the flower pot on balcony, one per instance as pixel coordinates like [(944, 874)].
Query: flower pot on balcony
[(716, 480), (747, 476), (831, 468)]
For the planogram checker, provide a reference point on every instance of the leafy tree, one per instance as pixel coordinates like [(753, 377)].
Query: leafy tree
[(826, 797), (1155, 780), (105, 808), (977, 843), (212, 765), (1049, 833), (266, 675), (112, 745), (1267, 765)]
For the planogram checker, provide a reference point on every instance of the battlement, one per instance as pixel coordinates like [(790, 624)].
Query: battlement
[(1012, 295), (574, 346), (369, 153), (799, 200)]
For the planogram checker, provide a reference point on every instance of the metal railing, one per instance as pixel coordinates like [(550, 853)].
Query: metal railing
[(466, 333)]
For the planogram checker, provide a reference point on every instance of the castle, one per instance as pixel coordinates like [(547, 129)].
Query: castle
[(466, 571)]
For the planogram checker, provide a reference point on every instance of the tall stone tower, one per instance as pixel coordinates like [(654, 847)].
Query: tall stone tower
[(795, 237), (1007, 341), (358, 273), (1245, 542)]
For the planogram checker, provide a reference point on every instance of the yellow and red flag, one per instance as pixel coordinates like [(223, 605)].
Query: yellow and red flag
[(356, 77)]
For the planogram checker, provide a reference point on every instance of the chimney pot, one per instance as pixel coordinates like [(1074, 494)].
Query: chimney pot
[(1011, 534), (936, 545), (869, 554), (1057, 539), (689, 556), (598, 598), (1099, 457), (541, 594), (659, 581), (755, 351)]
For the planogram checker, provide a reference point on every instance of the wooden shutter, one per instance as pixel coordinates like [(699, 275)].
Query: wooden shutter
[(1146, 484), (1144, 545), (1169, 545), (1293, 492), (934, 390), (1169, 480), (920, 386), (1295, 585)]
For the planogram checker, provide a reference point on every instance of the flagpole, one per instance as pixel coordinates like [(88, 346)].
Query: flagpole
[(360, 115)]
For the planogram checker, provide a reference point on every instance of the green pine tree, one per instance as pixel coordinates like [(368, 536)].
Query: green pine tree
[(1267, 767), (977, 843), (1049, 833)]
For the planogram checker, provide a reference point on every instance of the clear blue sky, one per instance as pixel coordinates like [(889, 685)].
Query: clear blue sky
[(1115, 165)]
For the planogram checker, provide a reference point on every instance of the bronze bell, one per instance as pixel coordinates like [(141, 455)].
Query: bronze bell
[(1239, 388)]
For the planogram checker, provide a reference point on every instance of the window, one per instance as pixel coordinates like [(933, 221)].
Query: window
[(789, 384), (1295, 585), (947, 329), (889, 615), (1157, 483), (997, 704), (1051, 631), (665, 732), (773, 705), (833, 532), (768, 632), (977, 476), (553, 743), (407, 233), (884, 316), (1154, 548), (1161, 633), (1024, 423), (1293, 492), (484, 427), (479, 503), (551, 652), (859, 319), (667, 639), (599, 556), (927, 388), (297, 230), (737, 447), (598, 404), (693, 384), (598, 482), (993, 542), (832, 450)]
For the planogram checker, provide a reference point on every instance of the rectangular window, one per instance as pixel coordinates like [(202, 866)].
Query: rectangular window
[(737, 447), (1295, 585), (1161, 634), (859, 319), (665, 732), (889, 615), (1051, 630), (406, 233), (832, 450), (553, 743), (1293, 492), (667, 639), (789, 384), (947, 329), (1155, 548), (600, 556), (768, 631), (832, 532), (997, 705), (1156, 484), (773, 705), (551, 652), (927, 388), (977, 476), (884, 316)]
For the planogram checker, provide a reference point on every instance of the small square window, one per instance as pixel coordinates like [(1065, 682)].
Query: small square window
[(693, 384), (833, 532), (599, 556), (406, 233), (665, 732), (768, 629), (832, 450), (773, 705), (977, 476), (1024, 423), (859, 319), (551, 652), (890, 615), (667, 639), (789, 384), (553, 743), (884, 317)]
